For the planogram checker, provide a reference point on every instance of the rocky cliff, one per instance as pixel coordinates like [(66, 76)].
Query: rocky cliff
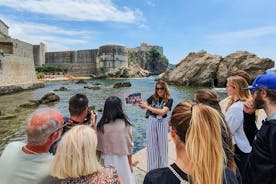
[(242, 60), (151, 60), (132, 71), (202, 68)]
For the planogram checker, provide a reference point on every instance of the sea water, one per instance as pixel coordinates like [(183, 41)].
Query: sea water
[(14, 129)]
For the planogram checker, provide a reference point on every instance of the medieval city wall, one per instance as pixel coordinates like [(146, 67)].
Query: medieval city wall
[(80, 62), (111, 57), (17, 71), (39, 54)]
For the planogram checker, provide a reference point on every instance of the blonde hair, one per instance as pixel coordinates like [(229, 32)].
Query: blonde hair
[(199, 128), (76, 154), (167, 94), (238, 83), (210, 98)]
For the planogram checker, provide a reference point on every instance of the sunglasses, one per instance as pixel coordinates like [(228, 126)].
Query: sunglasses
[(59, 128), (159, 89)]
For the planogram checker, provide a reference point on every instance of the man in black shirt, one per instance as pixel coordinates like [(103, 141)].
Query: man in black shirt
[(261, 167), (79, 114)]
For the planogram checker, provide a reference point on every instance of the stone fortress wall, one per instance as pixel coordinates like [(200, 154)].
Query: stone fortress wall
[(18, 67), (18, 60), (95, 61), (17, 71), (4, 29), (111, 57), (39, 54), (92, 61), (80, 62)]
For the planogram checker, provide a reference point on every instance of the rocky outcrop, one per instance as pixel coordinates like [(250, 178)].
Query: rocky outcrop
[(152, 61), (242, 60), (197, 69), (62, 88), (132, 71), (81, 81), (92, 87), (20, 87), (122, 84), (49, 97), (202, 68)]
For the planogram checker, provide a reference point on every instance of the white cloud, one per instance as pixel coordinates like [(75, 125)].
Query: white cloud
[(151, 3), (257, 40), (79, 10), (243, 34), (56, 38)]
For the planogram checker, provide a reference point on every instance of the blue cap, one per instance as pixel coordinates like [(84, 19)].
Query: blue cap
[(267, 81)]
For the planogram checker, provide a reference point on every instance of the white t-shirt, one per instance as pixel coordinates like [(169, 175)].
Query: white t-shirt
[(234, 118), (18, 167)]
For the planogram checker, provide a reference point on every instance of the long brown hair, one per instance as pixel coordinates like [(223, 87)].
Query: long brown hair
[(199, 128), (210, 97), (164, 85), (207, 97)]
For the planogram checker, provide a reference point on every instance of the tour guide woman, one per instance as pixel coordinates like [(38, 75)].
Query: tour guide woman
[(157, 128)]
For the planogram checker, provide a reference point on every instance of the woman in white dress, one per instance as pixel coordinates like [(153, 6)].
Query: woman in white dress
[(114, 132)]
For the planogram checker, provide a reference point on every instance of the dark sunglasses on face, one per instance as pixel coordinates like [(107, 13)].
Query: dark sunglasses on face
[(159, 89)]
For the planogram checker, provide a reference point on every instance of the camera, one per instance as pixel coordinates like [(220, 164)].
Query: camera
[(147, 114), (87, 118)]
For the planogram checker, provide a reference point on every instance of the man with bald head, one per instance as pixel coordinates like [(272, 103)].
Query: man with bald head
[(29, 163)]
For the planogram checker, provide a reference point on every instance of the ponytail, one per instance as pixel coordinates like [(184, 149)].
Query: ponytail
[(199, 128)]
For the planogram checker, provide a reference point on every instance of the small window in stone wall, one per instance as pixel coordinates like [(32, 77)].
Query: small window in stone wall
[(6, 47)]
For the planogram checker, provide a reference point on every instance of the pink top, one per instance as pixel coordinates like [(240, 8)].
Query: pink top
[(116, 139)]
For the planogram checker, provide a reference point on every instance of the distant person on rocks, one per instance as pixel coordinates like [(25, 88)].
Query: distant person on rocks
[(200, 159), (29, 163), (114, 132), (79, 114), (157, 105), (261, 166), (235, 118), (76, 161)]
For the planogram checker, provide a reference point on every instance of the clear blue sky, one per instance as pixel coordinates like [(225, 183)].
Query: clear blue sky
[(180, 26)]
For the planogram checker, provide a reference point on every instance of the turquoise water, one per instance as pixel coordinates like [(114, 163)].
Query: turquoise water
[(14, 129)]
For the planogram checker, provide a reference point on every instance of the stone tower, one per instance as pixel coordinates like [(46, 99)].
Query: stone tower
[(111, 57)]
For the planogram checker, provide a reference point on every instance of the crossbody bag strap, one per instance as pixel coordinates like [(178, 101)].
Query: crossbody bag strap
[(182, 181)]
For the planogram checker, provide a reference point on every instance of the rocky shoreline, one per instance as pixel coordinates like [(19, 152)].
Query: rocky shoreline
[(7, 89), (203, 69)]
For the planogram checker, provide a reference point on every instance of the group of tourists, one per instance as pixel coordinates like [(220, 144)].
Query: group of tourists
[(219, 142), (215, 141)]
